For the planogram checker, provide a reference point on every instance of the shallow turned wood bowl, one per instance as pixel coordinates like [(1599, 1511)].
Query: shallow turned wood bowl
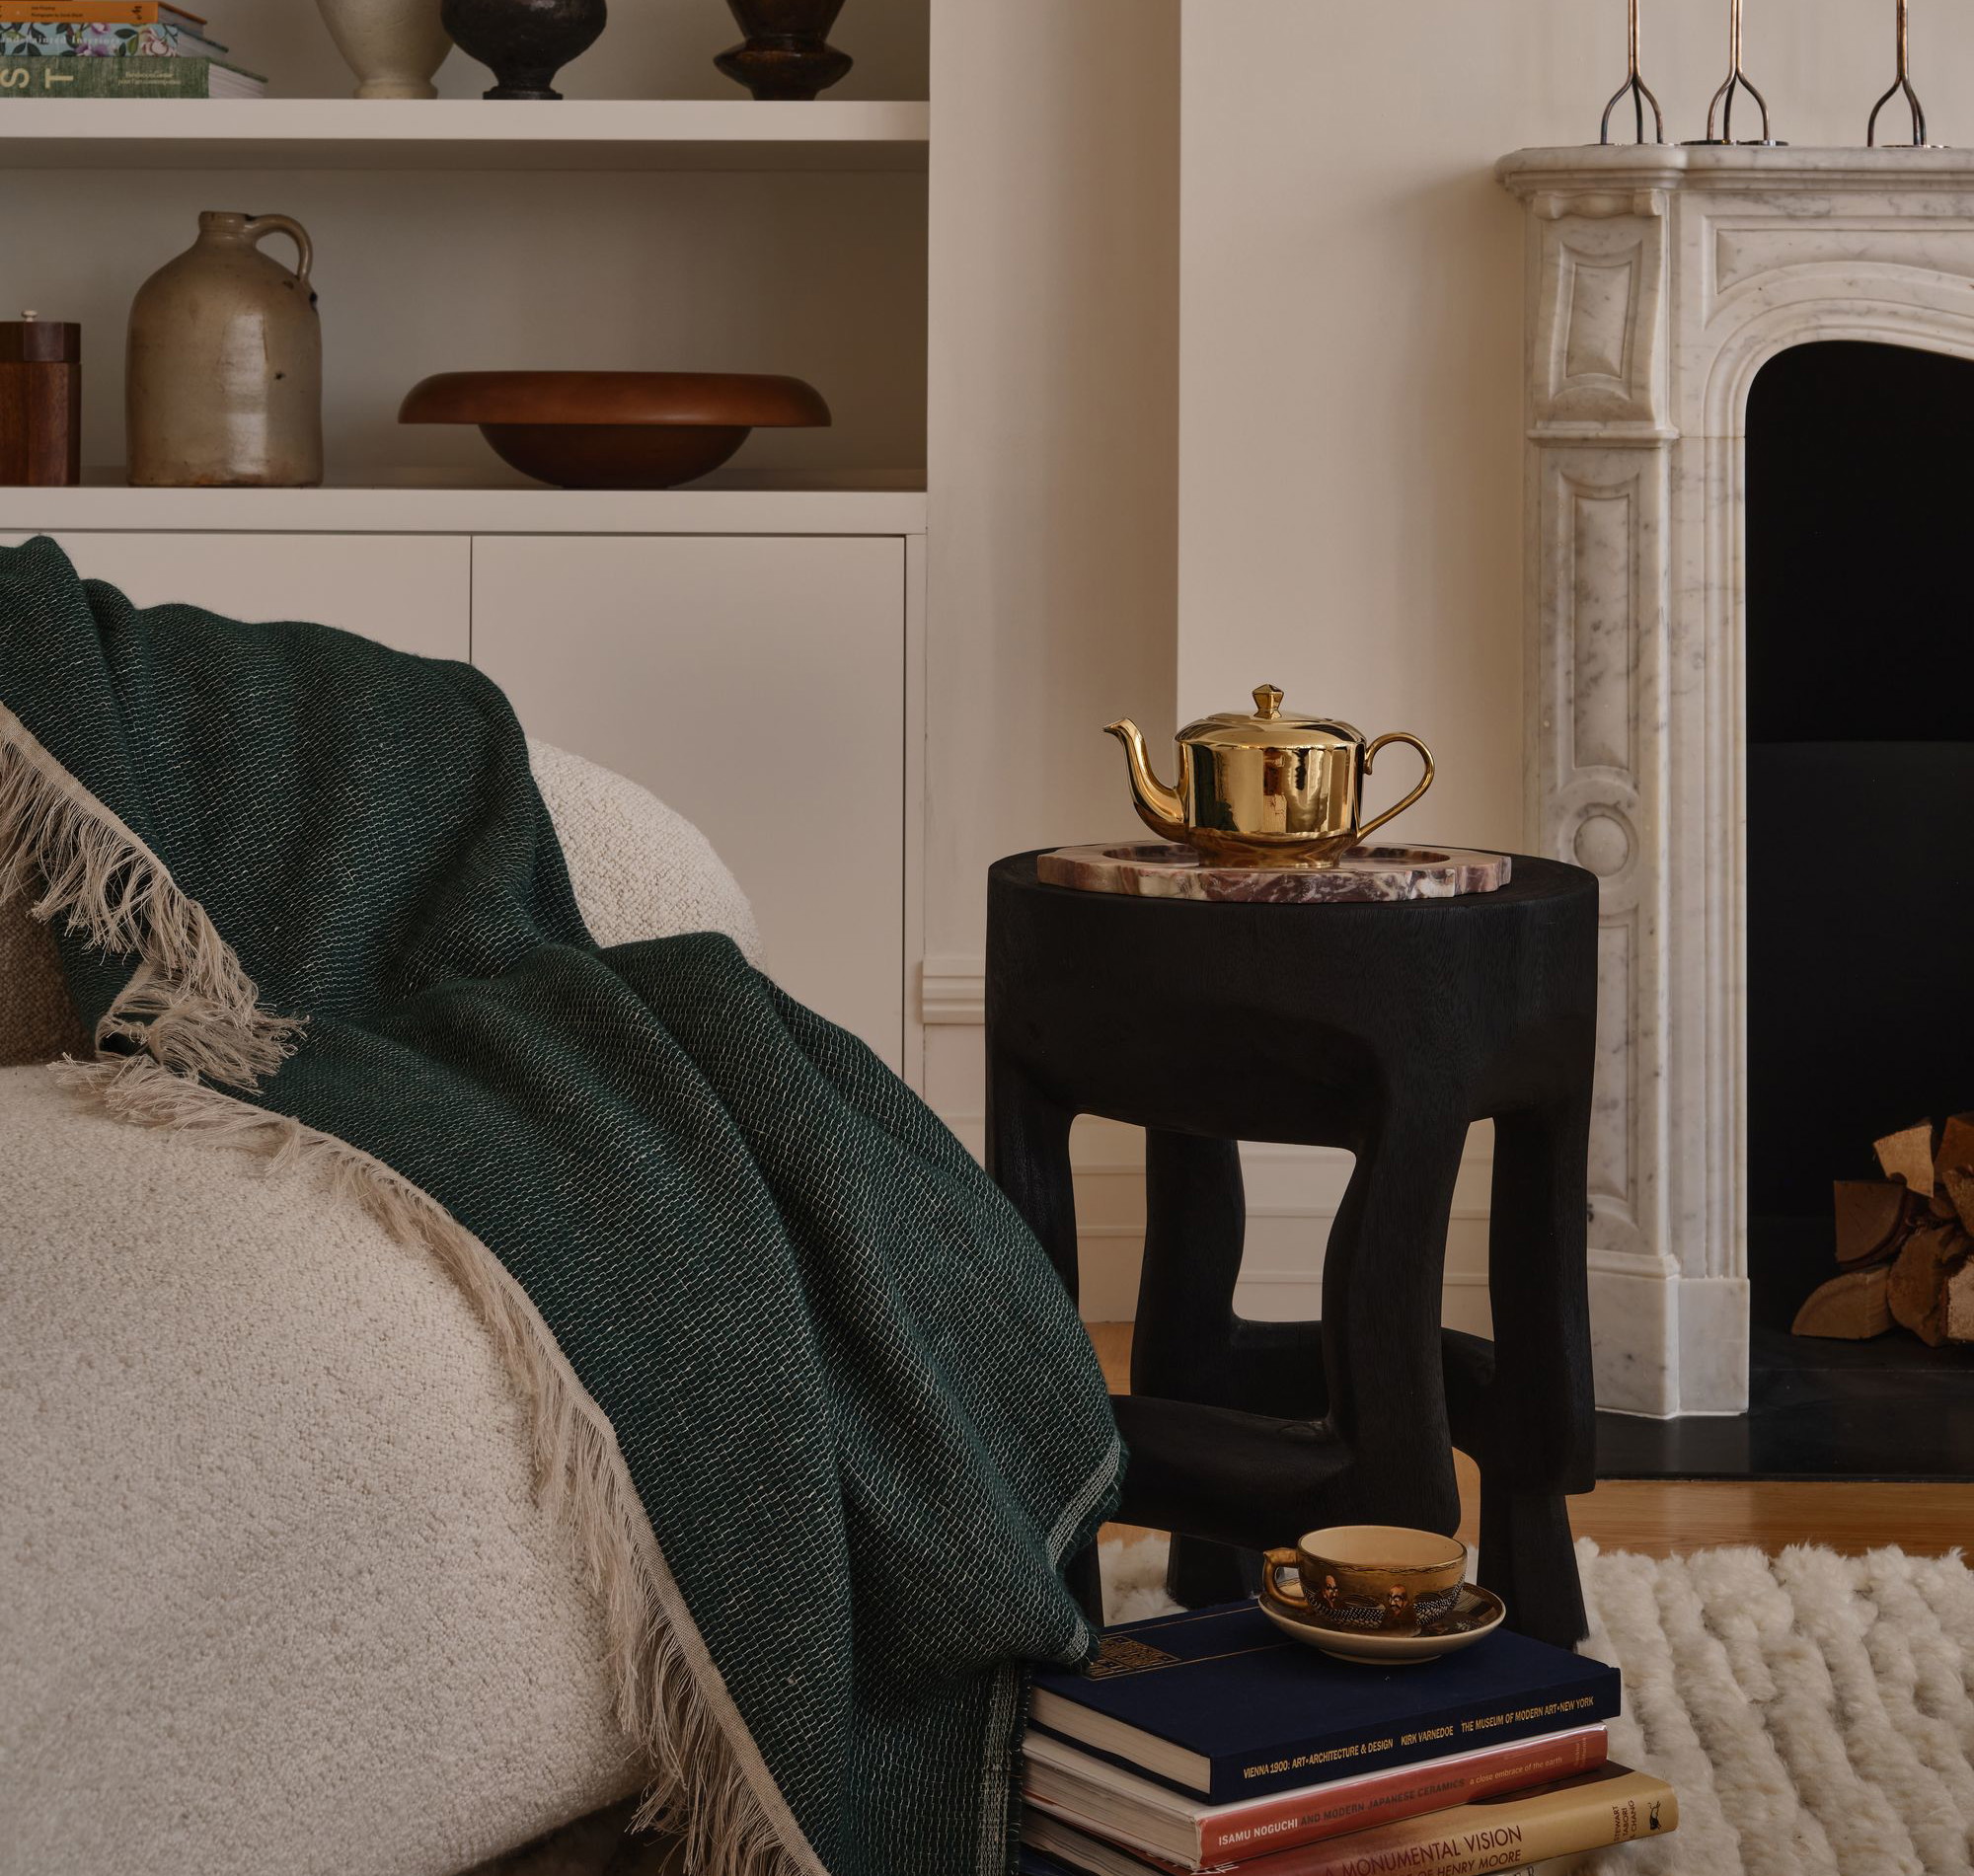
[(615, 430)]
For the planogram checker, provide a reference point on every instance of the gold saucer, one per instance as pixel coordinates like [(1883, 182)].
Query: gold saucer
[(1474, 1616)]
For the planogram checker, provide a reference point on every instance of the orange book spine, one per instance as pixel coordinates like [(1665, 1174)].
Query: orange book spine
[(89, 13), (1362, 1803)]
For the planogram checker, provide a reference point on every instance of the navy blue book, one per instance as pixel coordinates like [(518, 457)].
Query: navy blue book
[(1034, 1863), (1218, 1702)]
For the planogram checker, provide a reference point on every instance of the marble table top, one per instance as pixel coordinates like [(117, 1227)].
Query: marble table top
[(1160, 869)]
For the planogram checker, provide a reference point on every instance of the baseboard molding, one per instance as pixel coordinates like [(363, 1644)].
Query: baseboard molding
[(953, 990)]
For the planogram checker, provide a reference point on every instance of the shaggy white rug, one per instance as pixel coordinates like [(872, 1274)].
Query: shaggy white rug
[(1815, 1713)]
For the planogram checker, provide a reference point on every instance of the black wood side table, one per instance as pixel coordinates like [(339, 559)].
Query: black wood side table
[(1382, 1028)]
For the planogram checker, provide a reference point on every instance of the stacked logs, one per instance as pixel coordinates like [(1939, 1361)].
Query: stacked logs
[(1905, 1243)]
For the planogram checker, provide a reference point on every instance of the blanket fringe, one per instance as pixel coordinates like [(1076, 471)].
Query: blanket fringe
[(196, 1011), (699, 1789), (189, 1002)]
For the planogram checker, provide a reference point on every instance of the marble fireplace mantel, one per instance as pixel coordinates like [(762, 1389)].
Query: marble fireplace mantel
[(1661, 280)]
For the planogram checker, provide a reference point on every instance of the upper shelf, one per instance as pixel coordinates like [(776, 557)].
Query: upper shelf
[(459, 133)]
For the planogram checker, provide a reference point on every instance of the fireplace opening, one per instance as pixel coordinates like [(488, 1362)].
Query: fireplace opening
[(1860, 701)]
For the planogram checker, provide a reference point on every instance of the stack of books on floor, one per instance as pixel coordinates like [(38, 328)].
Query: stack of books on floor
[(115, 48), (1207, 1741)]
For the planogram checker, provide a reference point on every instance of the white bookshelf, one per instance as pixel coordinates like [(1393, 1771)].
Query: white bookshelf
[(392, 510), (458, 133), (644, 232)]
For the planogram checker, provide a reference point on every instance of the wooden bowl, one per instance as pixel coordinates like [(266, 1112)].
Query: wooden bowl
[(615, 430)]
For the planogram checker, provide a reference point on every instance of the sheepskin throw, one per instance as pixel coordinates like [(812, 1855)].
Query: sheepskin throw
[(809, 1394), (1815, 1712)]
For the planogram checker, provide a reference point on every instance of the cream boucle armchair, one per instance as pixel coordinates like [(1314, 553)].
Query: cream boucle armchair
[(275, 1596)]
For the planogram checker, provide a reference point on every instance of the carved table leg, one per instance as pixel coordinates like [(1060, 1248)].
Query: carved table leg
[(1381, 1289), (1540, 1427), (1182, 1348)]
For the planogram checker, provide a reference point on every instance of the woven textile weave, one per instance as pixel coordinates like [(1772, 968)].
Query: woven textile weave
[(805, 1389)]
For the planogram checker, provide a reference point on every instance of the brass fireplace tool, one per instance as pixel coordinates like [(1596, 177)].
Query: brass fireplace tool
[(1720, 112), (1902, 84), (1635, 89)]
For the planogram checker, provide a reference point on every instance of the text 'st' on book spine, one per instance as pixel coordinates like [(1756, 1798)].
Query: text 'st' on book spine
[(105, 77)]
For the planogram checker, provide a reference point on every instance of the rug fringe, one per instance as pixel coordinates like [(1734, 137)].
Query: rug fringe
[(194, 1010), (189, 1002)]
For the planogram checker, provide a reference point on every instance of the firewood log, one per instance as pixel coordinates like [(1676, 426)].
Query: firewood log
[(1908, 1155), (1959, 1305), (1957, 1146), (1916, 1290), (1959, 1184), (1848, 1309), (1873, 1217)]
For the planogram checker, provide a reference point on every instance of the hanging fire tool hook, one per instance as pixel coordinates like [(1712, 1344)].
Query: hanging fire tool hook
[(1720, 112), (1635, 89), (1902, 84)]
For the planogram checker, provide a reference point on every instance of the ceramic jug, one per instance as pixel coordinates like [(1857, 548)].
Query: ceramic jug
[(223, 376)]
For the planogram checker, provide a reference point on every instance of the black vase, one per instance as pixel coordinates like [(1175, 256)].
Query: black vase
[(524, 42), (787, 53)]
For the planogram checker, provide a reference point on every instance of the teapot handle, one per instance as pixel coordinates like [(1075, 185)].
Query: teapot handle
[(1425, 781), (261, 226)]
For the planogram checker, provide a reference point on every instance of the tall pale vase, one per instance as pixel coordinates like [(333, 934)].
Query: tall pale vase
[(394, 46)]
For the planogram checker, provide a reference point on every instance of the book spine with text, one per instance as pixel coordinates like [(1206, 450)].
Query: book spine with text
[(43, 77), (1510, 1834), (21, 40), (1358, 1804), (90, 13)]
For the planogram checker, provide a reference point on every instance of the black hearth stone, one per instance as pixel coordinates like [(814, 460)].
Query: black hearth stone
[(1887, 1408)]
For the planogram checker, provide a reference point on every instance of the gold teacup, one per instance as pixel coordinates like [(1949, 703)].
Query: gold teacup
[(1369, 1578)]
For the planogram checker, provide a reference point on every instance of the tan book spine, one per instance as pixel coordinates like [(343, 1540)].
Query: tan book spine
[(1471, 1839)]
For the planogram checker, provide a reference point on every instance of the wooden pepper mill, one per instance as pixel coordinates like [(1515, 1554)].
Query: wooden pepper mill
[(41, 403)]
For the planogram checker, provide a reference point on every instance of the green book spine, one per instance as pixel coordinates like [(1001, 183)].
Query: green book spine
[(105, 77)]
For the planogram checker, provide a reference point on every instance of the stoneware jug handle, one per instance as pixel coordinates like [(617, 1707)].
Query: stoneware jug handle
[(1425, 781), (261, 226)]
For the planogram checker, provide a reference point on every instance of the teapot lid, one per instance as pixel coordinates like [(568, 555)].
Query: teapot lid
[(1269, 727)]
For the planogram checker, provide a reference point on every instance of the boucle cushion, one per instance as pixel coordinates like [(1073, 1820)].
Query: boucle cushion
[(639, 871), (274, 1591)]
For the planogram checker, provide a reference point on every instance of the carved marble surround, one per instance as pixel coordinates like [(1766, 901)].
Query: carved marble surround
[(1661, 280)]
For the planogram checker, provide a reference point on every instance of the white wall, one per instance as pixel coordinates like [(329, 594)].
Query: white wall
[(1053, 446)]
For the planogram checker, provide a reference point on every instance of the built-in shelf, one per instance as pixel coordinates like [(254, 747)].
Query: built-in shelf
[(458, 133), (418, 511)]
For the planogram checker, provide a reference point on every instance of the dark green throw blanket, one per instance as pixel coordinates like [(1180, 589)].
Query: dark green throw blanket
[(854, 1404)]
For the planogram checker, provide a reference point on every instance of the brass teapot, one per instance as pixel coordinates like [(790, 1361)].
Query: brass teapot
[(1268, 789)]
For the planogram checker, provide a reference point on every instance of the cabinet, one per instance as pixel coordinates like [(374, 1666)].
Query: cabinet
[(758, 686), (756, 683), (412, 592)]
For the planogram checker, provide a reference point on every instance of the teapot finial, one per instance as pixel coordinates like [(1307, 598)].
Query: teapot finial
[(1267, 700)]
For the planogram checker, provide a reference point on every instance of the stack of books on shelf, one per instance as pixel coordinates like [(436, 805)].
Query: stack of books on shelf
[(115, 48), (1207, 1741)]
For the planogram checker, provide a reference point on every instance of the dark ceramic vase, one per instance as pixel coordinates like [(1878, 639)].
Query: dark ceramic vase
[(787, 53), (524, 42)]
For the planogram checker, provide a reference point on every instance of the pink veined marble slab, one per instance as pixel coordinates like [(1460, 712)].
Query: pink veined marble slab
[(1162, 870)]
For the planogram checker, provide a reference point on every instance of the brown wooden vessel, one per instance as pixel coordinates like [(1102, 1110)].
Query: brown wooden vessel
[(615, 430)]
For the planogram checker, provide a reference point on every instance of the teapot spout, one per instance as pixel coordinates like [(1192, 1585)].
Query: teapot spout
[(1159, 808)]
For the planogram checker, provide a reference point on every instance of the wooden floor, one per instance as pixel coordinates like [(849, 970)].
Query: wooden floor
[(1665, 1518)]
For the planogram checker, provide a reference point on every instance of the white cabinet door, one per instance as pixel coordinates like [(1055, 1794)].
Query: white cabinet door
[(410, 591), (758, 686)]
